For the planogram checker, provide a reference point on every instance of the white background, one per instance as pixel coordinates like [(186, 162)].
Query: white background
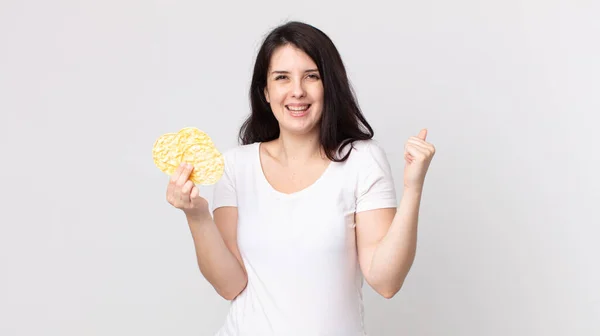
[(509, 91)]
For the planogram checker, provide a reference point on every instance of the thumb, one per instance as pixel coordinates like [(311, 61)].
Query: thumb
[(423, 134)]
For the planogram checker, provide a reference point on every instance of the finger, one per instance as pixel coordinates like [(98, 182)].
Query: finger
[(421, 144), (195, 192), (415, 151), (423, 134), (185, 174), (170, 192), (406, 153), (177, 173), (178, 193), (176, 183), (184, 194), (419, 140), (187, 187), (171, 187)]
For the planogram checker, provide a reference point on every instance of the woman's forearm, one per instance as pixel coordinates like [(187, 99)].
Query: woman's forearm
[(395, 253), (216, 262)]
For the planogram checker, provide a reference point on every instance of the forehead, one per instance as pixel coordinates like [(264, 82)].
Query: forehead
[(289, 57)]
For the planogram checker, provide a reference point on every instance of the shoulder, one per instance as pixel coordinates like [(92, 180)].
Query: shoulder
[(375, 186), (367, 147), (366, 152), (233, 158), (237, 159), (238, 153)]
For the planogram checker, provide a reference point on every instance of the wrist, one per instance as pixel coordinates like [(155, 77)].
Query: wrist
[(415, 190)]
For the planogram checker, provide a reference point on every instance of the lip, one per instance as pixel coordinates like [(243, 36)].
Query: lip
[(298, 114), (297, 104)]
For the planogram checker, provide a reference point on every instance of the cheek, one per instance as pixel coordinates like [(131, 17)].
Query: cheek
[(277, 97), (318, 94), (319, 102)]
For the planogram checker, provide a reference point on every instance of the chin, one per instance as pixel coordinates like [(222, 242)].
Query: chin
[(299, 128)]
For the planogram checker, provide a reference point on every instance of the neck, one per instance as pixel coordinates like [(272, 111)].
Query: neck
[(294, 149)]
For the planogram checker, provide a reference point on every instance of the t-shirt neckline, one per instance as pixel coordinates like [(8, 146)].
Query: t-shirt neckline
[(267, 185)]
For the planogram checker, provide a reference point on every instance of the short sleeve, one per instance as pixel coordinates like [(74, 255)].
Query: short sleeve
[(376, 188), (224, 193)]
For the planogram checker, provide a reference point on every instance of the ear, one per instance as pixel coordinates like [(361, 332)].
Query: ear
[(266, 92)]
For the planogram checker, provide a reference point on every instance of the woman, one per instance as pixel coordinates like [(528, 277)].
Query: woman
[(306, 207)]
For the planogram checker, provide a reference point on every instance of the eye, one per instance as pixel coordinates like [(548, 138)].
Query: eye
[(314, 76), (280, 77)]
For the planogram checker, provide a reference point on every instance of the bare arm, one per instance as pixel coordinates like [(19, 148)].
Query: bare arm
[(218, 257), (387, 241), (387, 238), (214, 239)]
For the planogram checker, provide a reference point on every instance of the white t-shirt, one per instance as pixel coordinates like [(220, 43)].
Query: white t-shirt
[(299, 249)]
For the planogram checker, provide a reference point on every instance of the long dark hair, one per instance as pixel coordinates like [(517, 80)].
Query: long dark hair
[(342, 121)]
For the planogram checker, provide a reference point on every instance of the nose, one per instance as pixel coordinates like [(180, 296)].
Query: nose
[(298, 90)]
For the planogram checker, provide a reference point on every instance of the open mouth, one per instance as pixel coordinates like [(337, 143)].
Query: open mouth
[(298, 110)]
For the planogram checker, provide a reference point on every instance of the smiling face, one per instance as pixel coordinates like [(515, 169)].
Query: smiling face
[(294, 90)]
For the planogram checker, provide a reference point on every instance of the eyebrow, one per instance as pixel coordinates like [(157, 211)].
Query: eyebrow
[(285, 72)]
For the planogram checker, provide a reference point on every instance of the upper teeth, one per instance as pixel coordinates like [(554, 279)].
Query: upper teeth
[(298, 108)]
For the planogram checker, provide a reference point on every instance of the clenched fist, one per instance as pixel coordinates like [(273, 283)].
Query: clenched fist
[(418, 154)]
